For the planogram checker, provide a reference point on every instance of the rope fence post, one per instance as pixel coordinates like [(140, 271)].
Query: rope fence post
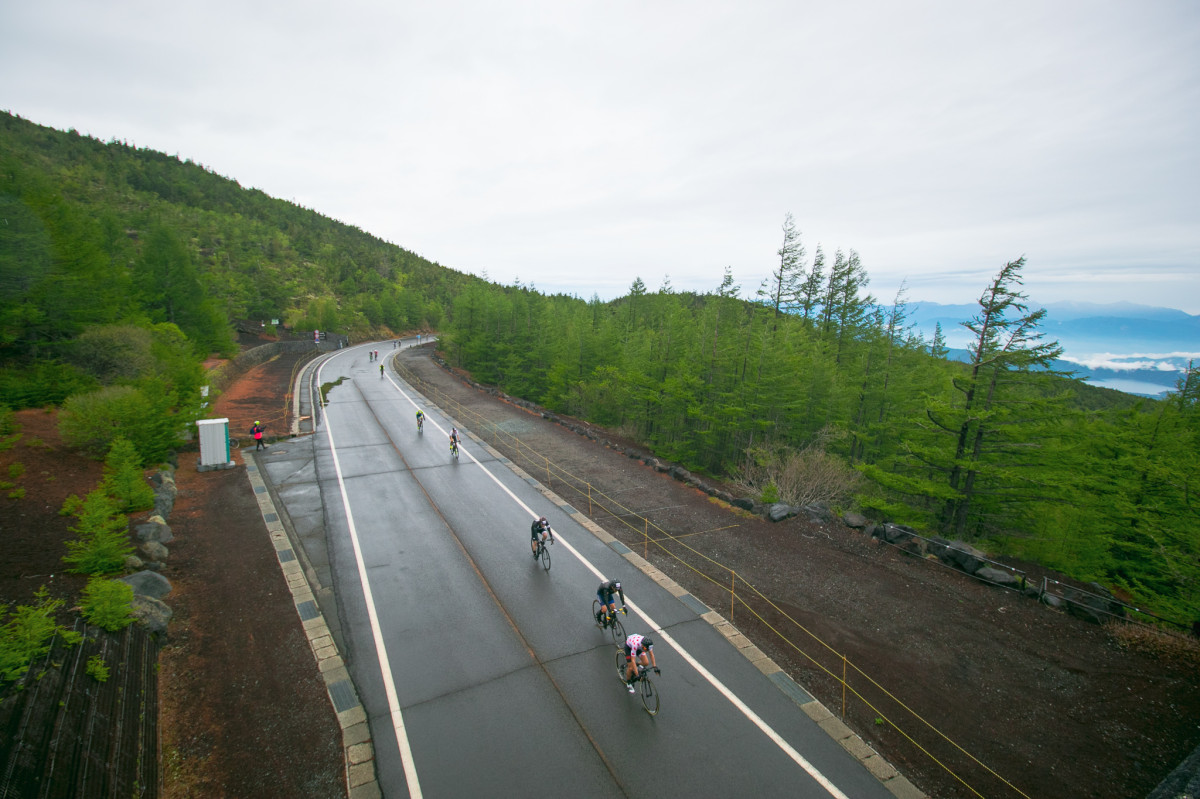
[(645, 538), (732, 592), (547, 472), (589, 499), (843, 687)]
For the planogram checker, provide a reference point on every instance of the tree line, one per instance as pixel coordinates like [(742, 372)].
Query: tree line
[(1000, 450)]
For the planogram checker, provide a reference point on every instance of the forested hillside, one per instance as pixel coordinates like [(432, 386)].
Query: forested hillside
[(806, 383), (98, 234), (120, 269)]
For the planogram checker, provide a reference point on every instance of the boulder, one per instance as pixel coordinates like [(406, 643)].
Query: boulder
[(780, 511), (963, 557), (133, 563), (897, 533), (679, 473), (148, 583), (153, 550), (153, 614), (745, 503), (1097, 605), (818, 513), (998, 577), (163, 503), (154, 531), (855, 520)]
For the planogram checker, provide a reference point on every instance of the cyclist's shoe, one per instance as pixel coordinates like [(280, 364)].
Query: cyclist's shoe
[(629, 685), (535, 556)]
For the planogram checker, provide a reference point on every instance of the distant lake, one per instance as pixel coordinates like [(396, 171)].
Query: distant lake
[(1131, 386)]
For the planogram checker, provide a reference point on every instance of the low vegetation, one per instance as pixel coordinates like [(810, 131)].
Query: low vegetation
[(28, 632)]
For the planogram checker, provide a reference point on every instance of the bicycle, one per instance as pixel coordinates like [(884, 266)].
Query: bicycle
[(420, 425), (643, 682), (543, 554), (454, 449), (609, 621)]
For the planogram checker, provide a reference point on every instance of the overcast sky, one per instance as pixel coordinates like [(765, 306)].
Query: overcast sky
[(575, 146)]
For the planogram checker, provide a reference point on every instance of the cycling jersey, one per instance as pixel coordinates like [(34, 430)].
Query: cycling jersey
[(538, 527), (607, 592), (636, 645)]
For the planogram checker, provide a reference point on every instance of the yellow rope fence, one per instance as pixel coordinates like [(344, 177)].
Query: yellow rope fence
[(521, 452)]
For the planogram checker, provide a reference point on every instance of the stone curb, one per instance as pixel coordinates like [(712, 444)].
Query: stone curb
[(894, 781), (357, 748)]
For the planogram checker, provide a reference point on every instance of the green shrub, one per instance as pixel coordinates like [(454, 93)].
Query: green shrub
[(124, 480), (29, 634), (16, 469), (144, 415), (41, 384), (106, 604), (9, 435), (103, 540), (97, 669), (16, 493), (770, 494)]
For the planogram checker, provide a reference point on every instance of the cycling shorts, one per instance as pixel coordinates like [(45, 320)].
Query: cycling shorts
[(606, 599)]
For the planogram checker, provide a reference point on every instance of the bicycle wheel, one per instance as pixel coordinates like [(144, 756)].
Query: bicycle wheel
[(649, 694), (618, 631), (545, 557), (621, 665)]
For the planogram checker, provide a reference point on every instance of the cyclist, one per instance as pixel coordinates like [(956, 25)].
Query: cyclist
[(453, 439), (607, 594), (381, 370), (639, 647), (420, 419), (539, 530)]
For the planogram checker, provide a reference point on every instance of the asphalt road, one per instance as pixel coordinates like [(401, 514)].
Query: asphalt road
[(483, 675)]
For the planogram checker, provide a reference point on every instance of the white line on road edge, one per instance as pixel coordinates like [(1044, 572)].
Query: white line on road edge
[(389, 684), (753, 717)]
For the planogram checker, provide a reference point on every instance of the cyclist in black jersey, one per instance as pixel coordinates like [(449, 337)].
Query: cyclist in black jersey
[(539, 529), (607, 593)]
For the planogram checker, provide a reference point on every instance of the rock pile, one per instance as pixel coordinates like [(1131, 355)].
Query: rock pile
[(153, 535)]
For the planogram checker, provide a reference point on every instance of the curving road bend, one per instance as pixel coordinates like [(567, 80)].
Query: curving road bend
[(482, 674)]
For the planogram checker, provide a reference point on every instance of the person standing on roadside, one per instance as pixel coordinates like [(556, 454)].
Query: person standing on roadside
[(257, 431)]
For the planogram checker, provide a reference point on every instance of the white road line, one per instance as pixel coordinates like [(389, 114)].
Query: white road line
[(721, 688), (389, 684)]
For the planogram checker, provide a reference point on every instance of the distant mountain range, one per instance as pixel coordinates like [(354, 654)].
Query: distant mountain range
[(1138, 349)]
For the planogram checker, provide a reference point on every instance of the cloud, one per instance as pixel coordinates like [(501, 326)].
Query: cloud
[(582, 145), (1164, 362)]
